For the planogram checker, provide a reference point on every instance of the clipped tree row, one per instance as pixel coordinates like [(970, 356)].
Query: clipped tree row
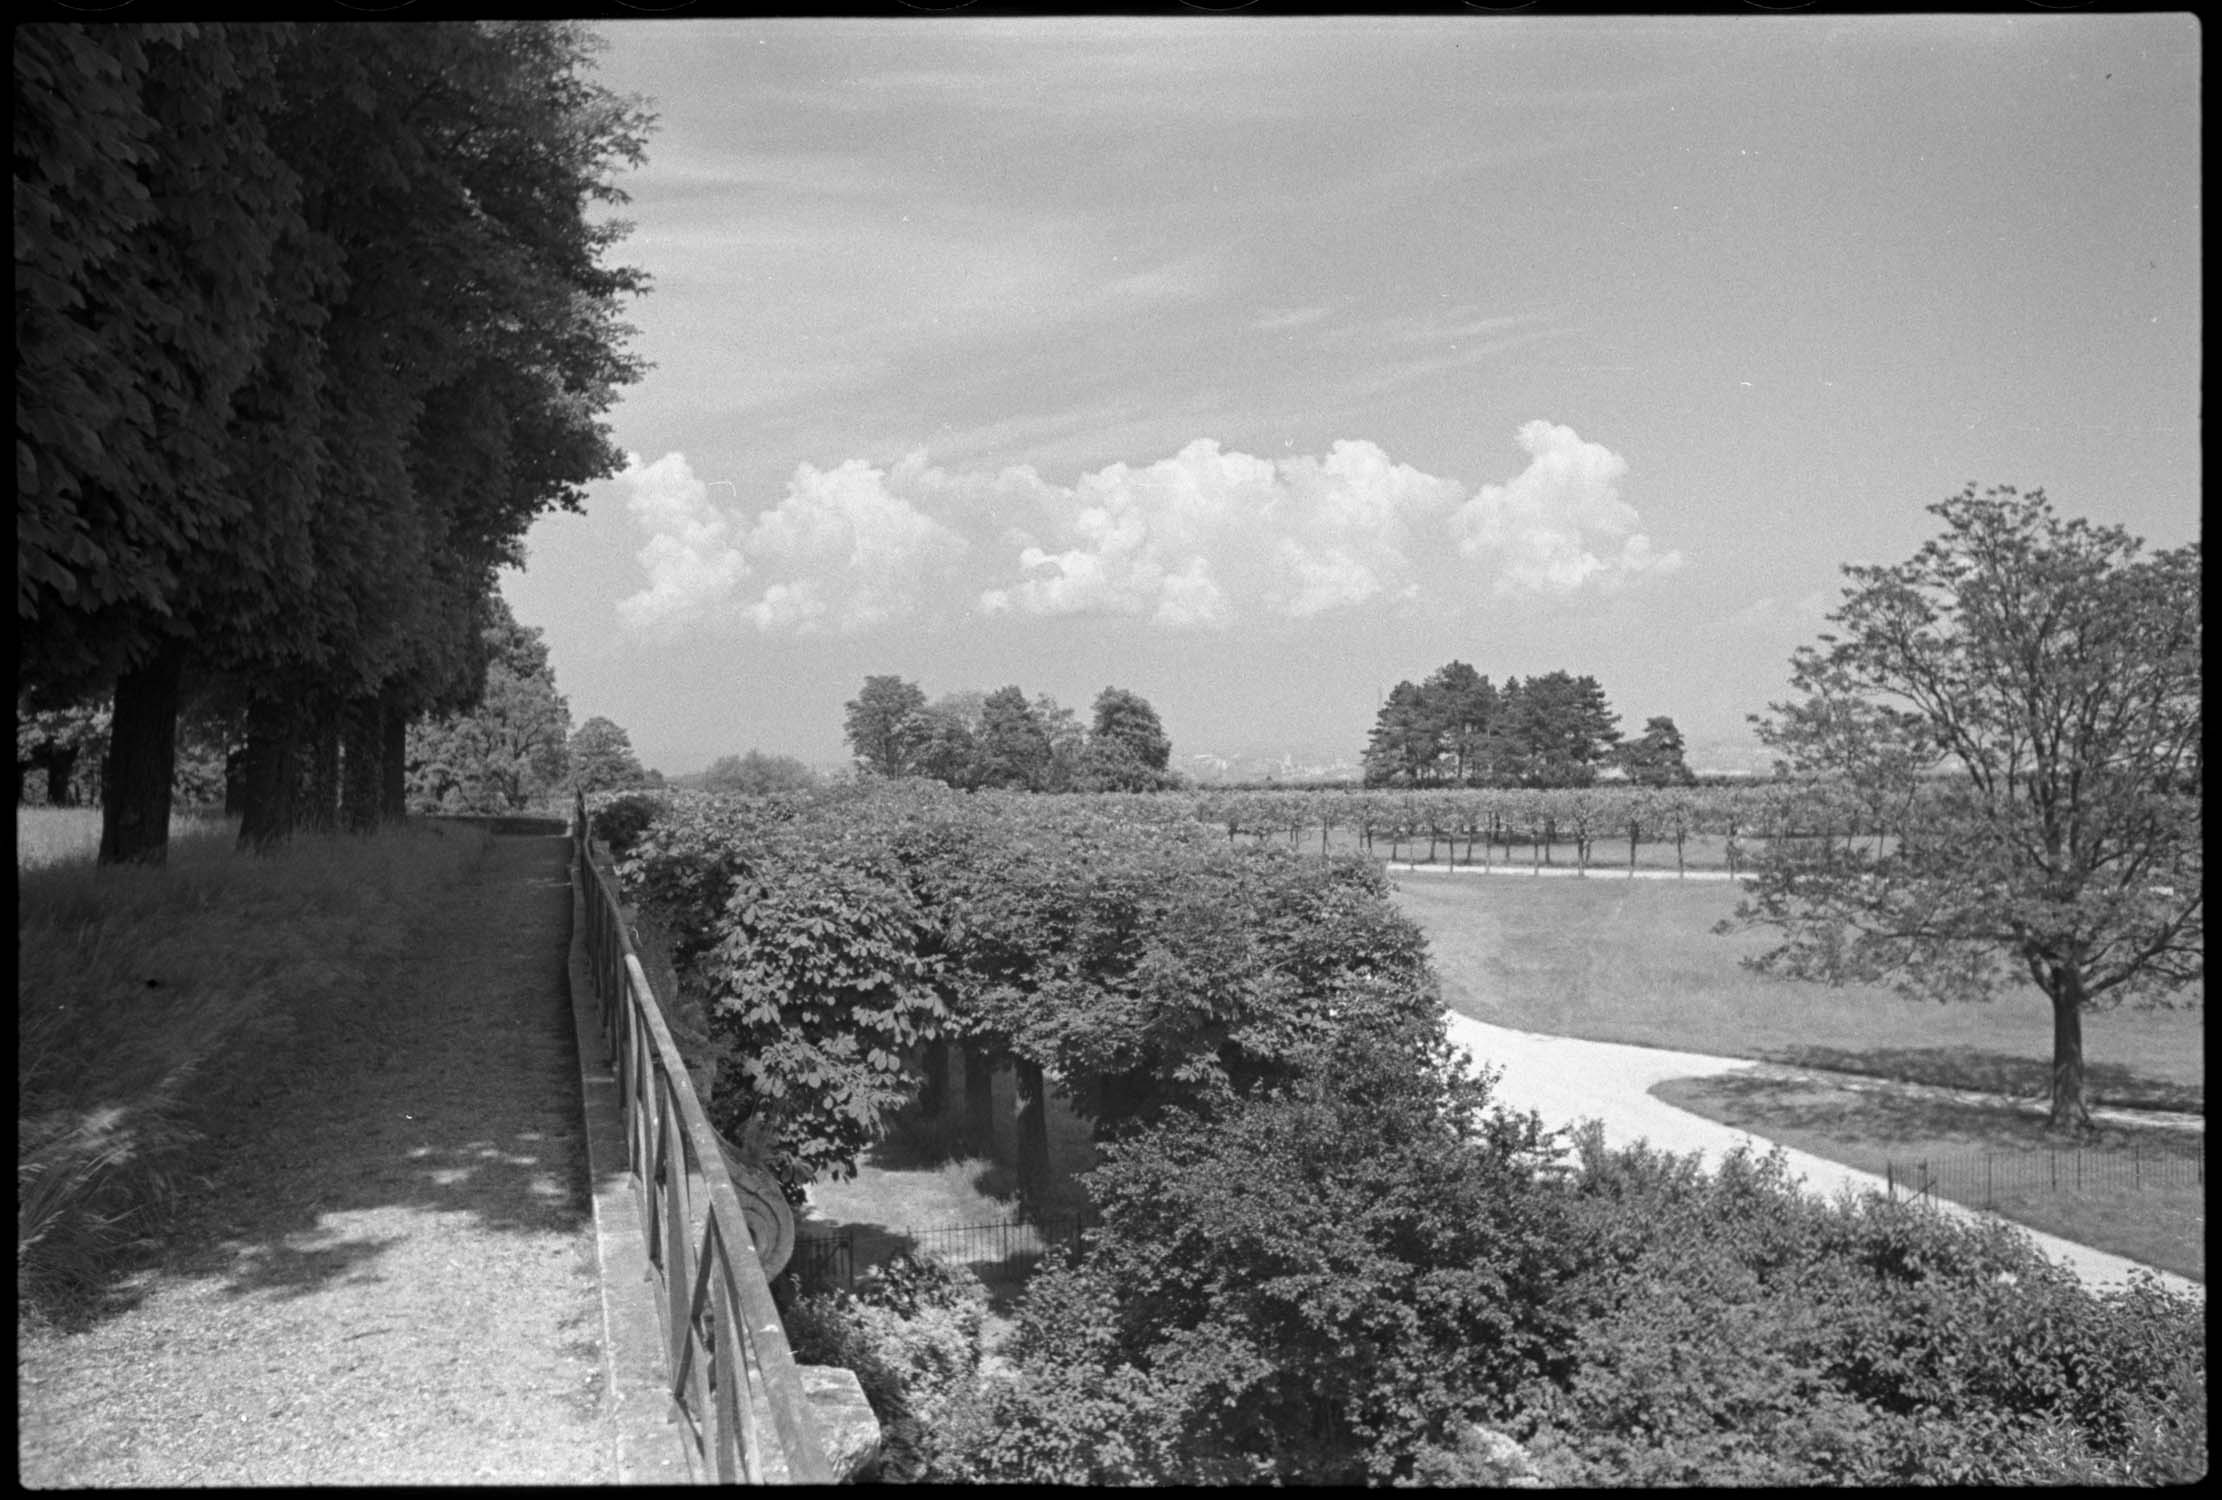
[(1142, 963), (311, 325)]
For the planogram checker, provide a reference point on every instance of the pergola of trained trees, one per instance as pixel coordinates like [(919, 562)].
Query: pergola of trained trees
[(1003, 740), (312, 322), (1457, 729)]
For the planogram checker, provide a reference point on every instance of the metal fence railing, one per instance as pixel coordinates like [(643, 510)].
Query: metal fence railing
[(727, 1350), (1009, 1248), (1979, 1177)]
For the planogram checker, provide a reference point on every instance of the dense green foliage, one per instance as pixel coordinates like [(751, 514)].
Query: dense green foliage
[(2033, 685), (1322, 1256), (1143, 961), (757, 774), (509, 751), (602, 759)]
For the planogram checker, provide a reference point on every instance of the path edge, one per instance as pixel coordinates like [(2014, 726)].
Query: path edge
[(646, 1439)]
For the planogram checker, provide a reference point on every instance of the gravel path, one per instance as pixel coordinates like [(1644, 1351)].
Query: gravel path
[(393, 1281), (1564, 1079)]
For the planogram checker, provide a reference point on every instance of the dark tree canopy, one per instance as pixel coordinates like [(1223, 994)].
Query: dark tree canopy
[(1458, 729), (1656, 757), (2019, 705), (312, 323)]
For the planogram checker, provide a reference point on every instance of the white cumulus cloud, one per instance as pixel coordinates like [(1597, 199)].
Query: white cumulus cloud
[(840, 552), (694, 564), (1199, 540), (1560, 525), (1207, 534)]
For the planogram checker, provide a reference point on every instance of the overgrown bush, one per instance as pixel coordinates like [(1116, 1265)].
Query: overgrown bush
[(620, 820), (912, 1333)]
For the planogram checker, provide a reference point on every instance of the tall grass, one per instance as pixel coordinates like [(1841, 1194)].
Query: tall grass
[(152, 1004)]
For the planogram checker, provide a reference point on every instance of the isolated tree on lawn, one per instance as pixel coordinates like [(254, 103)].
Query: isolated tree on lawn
[(1656, 757), (602, 757), (2020, 703), (882, 725)]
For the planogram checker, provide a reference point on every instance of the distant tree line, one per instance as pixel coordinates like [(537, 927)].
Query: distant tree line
[(311, 324), (1456, 728), (973, 740)]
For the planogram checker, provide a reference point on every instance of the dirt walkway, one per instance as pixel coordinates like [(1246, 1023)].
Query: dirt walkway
[(393, 1281)]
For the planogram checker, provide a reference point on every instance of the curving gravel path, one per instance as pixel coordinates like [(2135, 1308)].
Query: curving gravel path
[(1564, 1079), (395, 1281)]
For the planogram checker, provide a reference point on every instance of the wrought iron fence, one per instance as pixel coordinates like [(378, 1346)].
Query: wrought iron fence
[(1979, 1177), (1011, 1248), (698, 1241)]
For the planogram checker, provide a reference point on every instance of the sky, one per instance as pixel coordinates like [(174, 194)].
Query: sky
[(1256, 364)]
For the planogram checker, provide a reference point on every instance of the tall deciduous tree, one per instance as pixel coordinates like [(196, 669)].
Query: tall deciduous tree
[(2020, 702), (1014, 750), (512, 749), (882, 725), (602, 757)]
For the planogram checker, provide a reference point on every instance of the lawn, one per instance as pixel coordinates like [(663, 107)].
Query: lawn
[(1636, 961)]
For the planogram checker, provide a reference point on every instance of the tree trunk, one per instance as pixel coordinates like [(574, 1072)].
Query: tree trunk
[(319, 810), (363, 746), (142, 761), (1033, 1132), (393, 767), (978, 1134), (933, 1093), (270, 774), (235, 782), (2069, 1110), (61, 768)]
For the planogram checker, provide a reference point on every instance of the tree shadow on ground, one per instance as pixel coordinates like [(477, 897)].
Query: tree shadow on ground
[(1883, 1119), (457, 1095), (2008, 1075)]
